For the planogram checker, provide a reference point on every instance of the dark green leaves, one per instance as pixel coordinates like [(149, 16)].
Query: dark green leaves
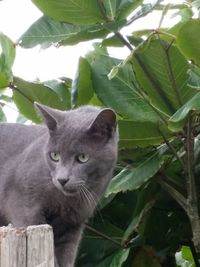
[(7, 56), (133, 178)]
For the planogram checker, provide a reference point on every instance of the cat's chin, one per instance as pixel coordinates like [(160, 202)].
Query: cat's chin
[(68, 192)]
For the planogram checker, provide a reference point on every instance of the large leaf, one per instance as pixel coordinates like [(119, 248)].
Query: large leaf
[(145, 202), (161, 71), (178, 120), (120, 92), (134, 178), (7, 56), (142, 134), (189, 41), (77, 12), (26, 93), (115, 260), (82, 89), (46, 31)]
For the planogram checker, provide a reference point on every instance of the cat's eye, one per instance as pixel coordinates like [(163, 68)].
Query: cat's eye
[(55, 156), (83, 158)]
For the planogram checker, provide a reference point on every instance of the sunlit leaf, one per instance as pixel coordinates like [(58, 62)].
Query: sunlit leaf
[(7, 57), (26, 93), (46, 31), (189, 41), (76, 12), (161, 71), (82, 88), (120, 93)]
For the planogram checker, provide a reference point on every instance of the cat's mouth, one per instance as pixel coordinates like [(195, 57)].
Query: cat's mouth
[(66, 190)]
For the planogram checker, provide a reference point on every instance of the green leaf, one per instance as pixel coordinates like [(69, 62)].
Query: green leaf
[(141, 134), (110, 8), (161, 70), (2, 115), (116, 259), (134, 178), (120, 93), (189, 41), (62, 89), (7, 57), (82, 89), (77, 12), (194, 77), (26, 93), (126, 7), (145, 202), (178, 120), (46, 31)]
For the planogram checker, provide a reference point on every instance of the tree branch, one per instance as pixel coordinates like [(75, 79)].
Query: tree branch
[(180, 199)]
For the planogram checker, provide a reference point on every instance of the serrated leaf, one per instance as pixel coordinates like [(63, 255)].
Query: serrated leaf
[(120, 93), (161, 70), (134, 178), (141, 134), (46, 31), (77, 12)]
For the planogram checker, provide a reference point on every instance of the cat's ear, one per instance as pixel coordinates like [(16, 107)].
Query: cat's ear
[(51, 116), (104, 125)]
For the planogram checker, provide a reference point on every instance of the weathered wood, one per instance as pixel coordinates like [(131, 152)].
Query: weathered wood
[(30, 247), (12, 247), (40, 248)]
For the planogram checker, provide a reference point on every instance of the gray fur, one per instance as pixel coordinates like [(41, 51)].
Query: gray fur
[(30, 191)]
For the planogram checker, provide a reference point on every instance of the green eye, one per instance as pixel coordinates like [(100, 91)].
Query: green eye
[(55, 156), (83, 158)]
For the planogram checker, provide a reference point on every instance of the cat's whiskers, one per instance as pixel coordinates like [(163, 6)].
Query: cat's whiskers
[(91, 198)]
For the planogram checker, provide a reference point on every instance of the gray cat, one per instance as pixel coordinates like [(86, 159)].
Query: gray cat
[(56, 173)]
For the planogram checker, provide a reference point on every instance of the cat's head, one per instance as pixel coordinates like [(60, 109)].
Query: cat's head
[(81, 150)]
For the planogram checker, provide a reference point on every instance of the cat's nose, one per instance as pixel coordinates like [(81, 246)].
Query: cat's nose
[(63, 181)]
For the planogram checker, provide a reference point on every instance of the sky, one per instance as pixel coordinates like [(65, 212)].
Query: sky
[(31, 64)]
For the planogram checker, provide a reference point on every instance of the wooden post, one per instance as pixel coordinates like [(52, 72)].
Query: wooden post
[(40, 248), (12, 247), (31, 247)]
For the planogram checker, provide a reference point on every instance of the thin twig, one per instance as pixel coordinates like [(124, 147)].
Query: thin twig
[(102, 235)]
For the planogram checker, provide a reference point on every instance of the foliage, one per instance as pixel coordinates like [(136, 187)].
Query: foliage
[(151, 207)]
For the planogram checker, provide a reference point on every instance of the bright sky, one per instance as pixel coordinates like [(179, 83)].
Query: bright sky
[(31, 64)]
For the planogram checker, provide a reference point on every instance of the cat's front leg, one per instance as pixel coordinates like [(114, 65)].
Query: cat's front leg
[(66, 247)]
